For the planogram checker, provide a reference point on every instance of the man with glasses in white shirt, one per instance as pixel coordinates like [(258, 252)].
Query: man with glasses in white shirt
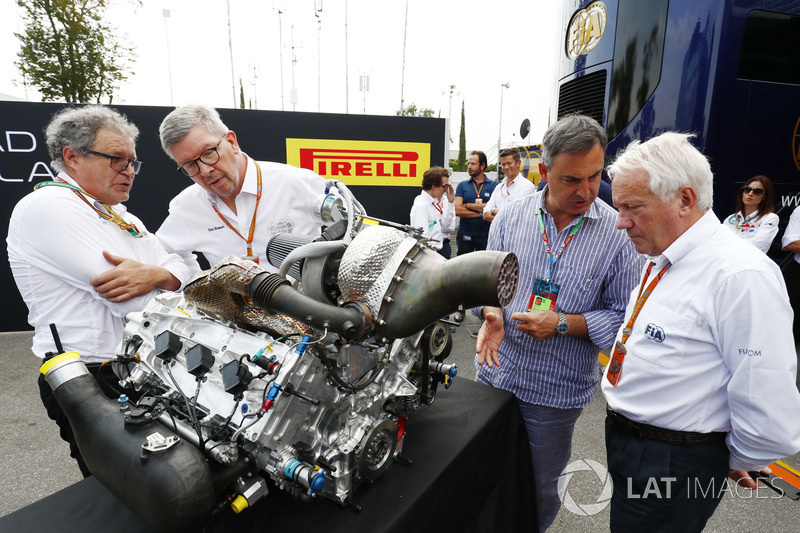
[(433, 210), (513, 186), (236, 204), (80, 260), (701, 381)]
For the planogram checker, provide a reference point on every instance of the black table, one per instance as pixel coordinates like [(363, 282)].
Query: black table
[(471, 471)]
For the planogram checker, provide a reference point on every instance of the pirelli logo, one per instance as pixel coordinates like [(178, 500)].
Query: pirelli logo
[(362, 162)]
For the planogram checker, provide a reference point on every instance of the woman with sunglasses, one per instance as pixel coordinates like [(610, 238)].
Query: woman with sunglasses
[(754, 220)]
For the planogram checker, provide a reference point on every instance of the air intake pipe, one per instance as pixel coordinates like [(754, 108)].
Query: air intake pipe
[(165, 481)]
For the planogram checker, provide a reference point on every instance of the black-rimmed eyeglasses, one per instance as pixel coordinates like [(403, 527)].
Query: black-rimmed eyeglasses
[(757, 191), (119, 163), (208, 157)]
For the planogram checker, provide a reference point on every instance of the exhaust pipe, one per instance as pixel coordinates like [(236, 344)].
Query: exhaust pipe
[(392, 286), (435, 287), (403, 284), (165, 481)]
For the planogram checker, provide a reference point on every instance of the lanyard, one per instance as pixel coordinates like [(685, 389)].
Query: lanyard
[(111, 216), (550, 258), (249, 239), (477, 190), (746, 220), (618, 357), (438, 207), (642, 297)]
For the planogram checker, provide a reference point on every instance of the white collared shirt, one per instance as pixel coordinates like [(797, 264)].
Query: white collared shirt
[(436, 225), (55, 244), (287, 206), (712, 348), (506, 192), (792, 232), (758, 231)]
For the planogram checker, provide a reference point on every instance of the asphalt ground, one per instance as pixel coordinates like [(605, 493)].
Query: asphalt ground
[(35, 462)]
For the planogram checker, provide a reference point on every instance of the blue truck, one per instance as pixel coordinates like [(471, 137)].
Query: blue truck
[(726, 70)]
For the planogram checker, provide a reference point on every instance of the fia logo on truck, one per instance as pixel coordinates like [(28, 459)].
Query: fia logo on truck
[(586, 28)]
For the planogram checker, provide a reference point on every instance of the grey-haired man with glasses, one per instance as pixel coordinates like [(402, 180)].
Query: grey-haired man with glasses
[(236, 203), (80, 260)]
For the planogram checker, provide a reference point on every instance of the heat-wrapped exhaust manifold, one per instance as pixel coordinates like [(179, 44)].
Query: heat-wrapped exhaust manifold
[(391, 286)]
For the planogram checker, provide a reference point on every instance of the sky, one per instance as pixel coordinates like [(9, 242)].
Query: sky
[(313, 55)]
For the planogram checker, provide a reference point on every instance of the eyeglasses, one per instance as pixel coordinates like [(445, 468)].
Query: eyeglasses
[(119, 163), (208, 157), (757, 191)]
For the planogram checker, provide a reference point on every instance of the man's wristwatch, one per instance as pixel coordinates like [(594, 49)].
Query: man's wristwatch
[(562, 326)]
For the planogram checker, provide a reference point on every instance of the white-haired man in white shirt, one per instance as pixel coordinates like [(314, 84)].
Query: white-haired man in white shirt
[(701, 381)]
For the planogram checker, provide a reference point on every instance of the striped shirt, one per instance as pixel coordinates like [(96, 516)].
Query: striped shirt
[(596, 272)]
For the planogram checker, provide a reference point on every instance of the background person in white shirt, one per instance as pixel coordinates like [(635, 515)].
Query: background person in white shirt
[(790, 242), (433, 210), (236, 204), (754, 220), (513, 186), (699, 386), (79, 259)]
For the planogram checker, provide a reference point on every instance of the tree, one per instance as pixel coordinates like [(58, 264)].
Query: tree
[(462, 144), (68, 53), (412, 111), (241, 94)]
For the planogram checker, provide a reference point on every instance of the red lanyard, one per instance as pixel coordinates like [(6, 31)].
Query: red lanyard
[(249, 239), (641, 298), (618, 357), (438, 207)]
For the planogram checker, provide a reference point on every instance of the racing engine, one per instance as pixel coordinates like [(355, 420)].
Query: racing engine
[(299, 380)]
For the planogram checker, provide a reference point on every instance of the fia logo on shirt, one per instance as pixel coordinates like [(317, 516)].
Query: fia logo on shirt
[(654, 333)]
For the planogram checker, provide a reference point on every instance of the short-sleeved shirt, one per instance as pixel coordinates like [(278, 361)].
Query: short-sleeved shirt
[(286, 206), (792, 232), (434, 217), (505, 192), (759, 231), (469, 191)]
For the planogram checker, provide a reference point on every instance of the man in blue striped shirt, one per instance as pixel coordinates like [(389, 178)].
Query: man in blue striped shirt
[(576, 274)]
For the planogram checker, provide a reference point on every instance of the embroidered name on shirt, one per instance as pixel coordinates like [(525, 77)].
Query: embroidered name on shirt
[(215, 228), (749, 353), (654, 333)]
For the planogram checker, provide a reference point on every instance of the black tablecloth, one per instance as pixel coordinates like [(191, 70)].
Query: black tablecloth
[(471, 471)]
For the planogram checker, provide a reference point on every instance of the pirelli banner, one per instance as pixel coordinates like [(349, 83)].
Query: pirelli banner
[(380, 158)]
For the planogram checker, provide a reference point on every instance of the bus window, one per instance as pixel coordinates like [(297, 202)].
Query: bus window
[(638, 51), (769, 48)]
